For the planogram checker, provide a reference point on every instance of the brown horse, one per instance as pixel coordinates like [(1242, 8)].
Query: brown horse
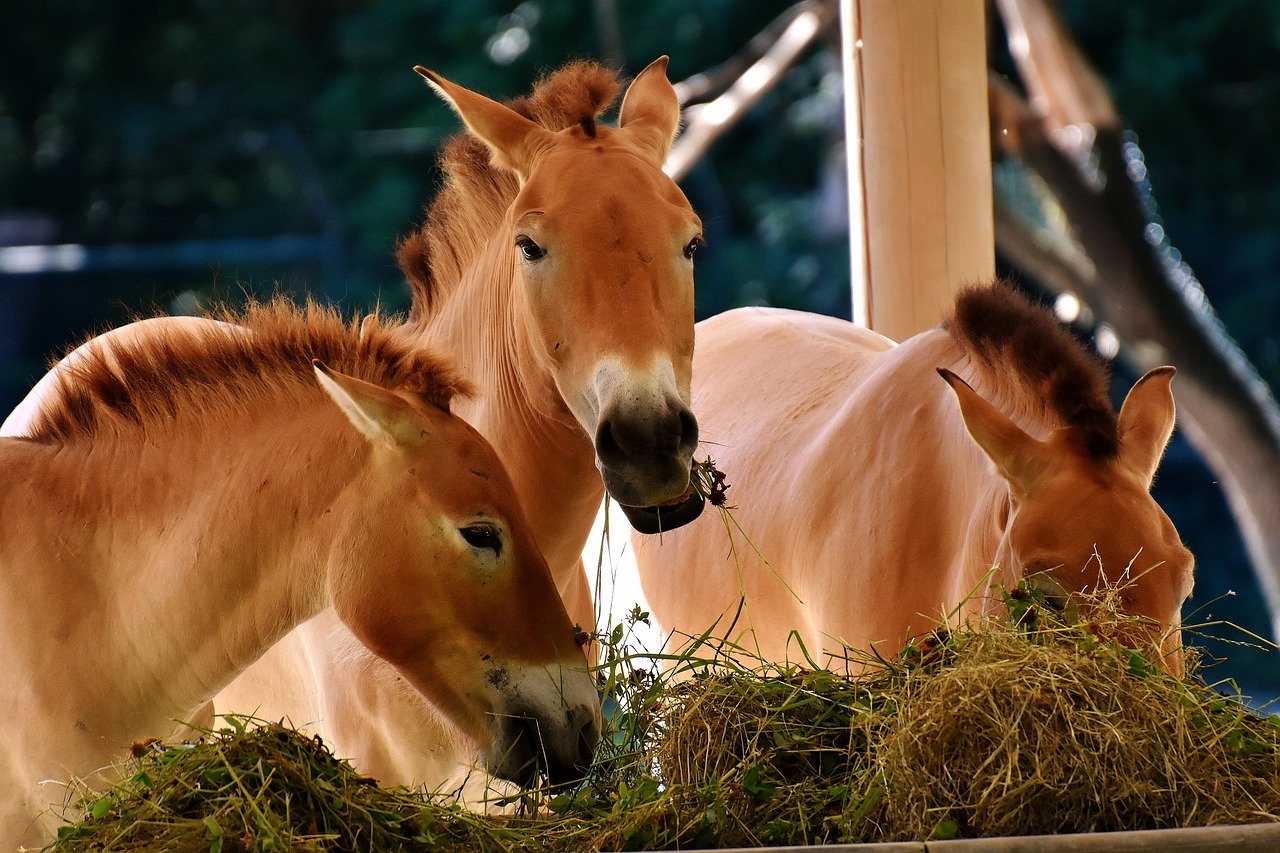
[(879, 506), (556, 264), (188, 498)]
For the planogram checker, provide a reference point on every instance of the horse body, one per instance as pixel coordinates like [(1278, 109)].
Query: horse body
[(255, 500), (872, 507)]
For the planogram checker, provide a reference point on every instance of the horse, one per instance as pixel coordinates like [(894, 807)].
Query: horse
[(556, 266), (883, 489), (191, 496)]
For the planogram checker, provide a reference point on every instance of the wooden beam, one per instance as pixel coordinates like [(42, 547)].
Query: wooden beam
[(920, 174)]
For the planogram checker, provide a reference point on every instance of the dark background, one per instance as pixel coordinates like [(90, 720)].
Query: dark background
[(203, 150)]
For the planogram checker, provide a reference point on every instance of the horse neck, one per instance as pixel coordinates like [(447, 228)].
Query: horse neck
[(917, 410), (215, 551), (518, 407), (982, 578)]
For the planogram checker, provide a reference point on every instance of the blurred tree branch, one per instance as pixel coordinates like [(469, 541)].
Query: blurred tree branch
[(742, 81), (1069, 135)]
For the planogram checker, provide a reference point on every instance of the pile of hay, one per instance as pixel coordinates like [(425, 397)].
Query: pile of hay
[(1027, 727)]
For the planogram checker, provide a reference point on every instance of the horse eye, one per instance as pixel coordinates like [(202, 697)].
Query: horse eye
[(531, 250), (692, 247), (482, 536)]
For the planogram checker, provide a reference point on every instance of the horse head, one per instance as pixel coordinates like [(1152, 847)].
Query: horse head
[(1080, 522), (602, 245), (434, 569)]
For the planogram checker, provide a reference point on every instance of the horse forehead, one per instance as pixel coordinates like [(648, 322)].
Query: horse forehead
[(585, 180), (458, 462), (1104, 509)]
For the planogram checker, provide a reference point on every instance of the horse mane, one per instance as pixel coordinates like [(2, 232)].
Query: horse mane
[(1017, 339), (476, 194), (145, 383)]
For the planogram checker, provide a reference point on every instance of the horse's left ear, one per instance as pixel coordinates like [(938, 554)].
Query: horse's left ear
[(650, 110), (1146, 422), (514, 140), (1021, 459)]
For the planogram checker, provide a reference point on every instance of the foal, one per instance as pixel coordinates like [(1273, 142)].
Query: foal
[(196, 494), (881, 495)]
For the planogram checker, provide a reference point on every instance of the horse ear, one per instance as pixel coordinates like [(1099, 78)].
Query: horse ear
[(1146, 422), (514, 140), (379, 415), (1020, 458), (650, 110)]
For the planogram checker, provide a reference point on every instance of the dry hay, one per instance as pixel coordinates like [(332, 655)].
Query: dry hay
[(1020, 738), (1025, 727)]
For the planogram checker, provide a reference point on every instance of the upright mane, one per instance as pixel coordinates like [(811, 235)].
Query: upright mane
[(1017, 340), (476, 194), (144, 384)]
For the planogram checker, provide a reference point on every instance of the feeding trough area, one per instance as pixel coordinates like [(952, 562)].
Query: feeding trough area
[(1031, 725)]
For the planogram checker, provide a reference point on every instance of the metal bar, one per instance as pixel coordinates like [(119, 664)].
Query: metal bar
[(74, 257)]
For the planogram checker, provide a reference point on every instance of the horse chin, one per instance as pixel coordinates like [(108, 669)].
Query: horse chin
[(517, 760), (664, 517), (525, 760)]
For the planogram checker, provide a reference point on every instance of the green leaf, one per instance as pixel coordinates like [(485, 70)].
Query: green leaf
[(945, 828), (1138, 665), (102, 807), (754, 787)]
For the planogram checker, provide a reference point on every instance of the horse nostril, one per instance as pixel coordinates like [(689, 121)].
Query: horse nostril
[(688, 431), (607, 447)]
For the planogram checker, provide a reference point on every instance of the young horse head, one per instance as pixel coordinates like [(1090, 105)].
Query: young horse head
[(1080, 517), (596, 248), (194, 495)]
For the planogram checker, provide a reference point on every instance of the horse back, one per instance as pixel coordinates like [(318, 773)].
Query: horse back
[(763, 378), (792, 366)]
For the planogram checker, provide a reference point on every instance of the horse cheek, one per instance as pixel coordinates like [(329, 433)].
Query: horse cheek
[(382, 606)]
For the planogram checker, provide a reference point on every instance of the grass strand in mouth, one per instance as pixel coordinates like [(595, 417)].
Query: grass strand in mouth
[(1029, 725)]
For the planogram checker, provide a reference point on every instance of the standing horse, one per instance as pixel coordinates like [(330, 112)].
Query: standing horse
[(881, 506), (188, 499)]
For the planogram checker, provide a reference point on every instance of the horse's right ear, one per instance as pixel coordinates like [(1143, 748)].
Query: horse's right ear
[(1020, 458), (514, 140), (379, 415)]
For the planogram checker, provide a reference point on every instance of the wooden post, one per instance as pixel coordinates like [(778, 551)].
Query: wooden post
[(919, 158)]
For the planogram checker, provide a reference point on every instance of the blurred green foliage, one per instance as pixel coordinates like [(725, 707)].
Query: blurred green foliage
[(1200, 84), (150, 121)]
